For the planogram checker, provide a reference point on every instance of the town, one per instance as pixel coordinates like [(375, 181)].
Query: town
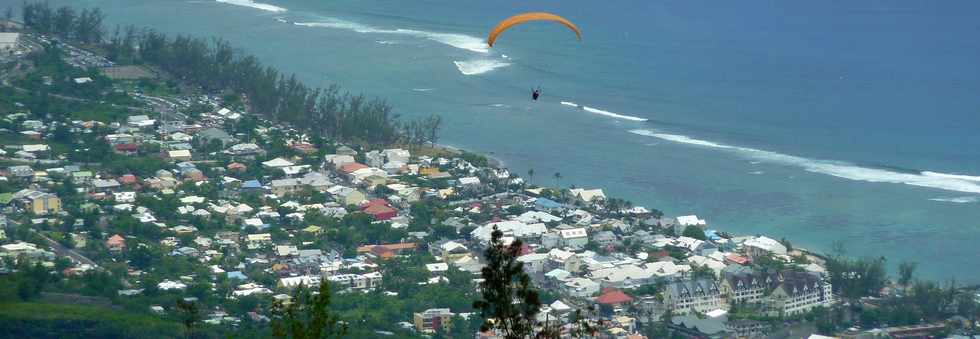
[(125, 189)]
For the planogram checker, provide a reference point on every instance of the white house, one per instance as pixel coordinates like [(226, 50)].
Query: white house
[(575, 238), (761, 246), (534, 263), (587, 195), (510, 228)]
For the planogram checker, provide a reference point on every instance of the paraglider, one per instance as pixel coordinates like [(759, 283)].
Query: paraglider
[(535, 93), (525, 17)]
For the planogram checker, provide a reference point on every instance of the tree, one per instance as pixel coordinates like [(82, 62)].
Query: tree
[(8, 15), (307, 316), (190, 315), (432, 125), (509, 303), (694, 232), (906, 270), (558, 179), (530, 176)]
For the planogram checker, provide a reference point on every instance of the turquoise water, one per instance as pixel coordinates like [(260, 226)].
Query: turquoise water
[(820, 121)]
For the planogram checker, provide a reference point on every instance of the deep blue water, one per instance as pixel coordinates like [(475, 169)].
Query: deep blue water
[(809, 120)]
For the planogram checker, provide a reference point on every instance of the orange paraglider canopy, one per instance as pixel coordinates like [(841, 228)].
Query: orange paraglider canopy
[(525, 17)]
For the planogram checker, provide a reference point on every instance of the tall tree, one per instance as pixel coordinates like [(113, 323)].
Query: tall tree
[(190, 316), (530, 176), (307, 316), (509, 303), (558, 180), (906, 270)]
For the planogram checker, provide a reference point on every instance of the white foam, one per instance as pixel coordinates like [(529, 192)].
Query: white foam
[(479, 66), (757, 172), (253, 4), (958, 200), (422, 89), (943, 181), (602, 112), (460, 41)]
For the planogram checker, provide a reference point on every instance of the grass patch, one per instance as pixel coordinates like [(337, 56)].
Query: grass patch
[(37, 320)]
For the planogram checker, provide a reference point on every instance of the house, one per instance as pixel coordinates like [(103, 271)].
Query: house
[(179, 155), (356, 281), (138, 121), (575, 238), (613, 297), (293, 282), (449, 250), (256, 241), (20, 171), (8, 40), (283, 187), (350, 196), (116, 243), (605, 238), (381, 212), (682, 222), (689, 296), (588, 196), (212, 134), (580, 287), (433, 320), (510, 228), (124, 197), (82, 177), (387, 250), (44, 204), (799, 292), (534, 263), (565, 260), (126, 149), (469, 182), (277, 163), (244, 149), (546, 204), (349, 168), (763, 246)]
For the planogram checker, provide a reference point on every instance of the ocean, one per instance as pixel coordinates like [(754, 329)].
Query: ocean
[(816, 121)]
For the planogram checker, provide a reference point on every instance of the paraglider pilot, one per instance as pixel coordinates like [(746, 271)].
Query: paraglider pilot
[(535, 93)]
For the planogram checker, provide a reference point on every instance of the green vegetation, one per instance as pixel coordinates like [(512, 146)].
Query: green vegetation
[(37, 320)]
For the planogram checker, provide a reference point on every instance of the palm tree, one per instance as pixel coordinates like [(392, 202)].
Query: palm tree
[(530, 176), (558, 180)]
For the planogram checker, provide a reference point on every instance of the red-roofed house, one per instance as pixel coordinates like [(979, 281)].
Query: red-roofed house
[(351, 167), (237, 167), (116, 243), (127, 149), (613, 297), (128, 179), (374, 202), (386, 251), (381, 212), (737, 259)]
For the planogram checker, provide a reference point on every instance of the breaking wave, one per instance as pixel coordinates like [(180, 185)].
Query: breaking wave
[(958, 200), (253, 4), (943, 181), (460, 41), (474, 67), (602, 112)]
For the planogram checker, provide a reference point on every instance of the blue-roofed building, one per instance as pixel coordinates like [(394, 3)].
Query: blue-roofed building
[(251, 186), (712, 235), (237, 275), (546, 204)]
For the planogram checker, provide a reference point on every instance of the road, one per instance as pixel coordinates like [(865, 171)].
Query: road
[(64, 251)]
